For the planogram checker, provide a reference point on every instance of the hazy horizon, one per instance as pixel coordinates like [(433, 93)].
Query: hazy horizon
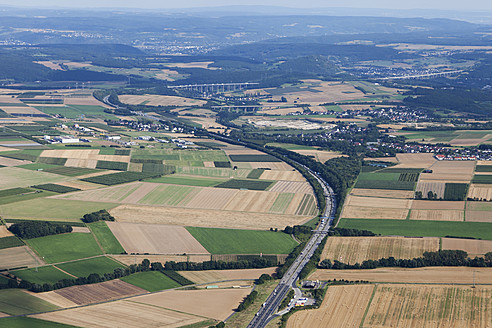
[(474, 5)]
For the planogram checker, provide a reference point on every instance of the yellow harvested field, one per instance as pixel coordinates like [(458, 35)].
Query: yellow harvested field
[(429, 275), (212, 198), (203, 217), (480, 191), (54, 298), (478, 216), (320, 155), (278, 111), (129, 193), (135, 259), (359, 212), (208, 164), (282, 175), (81, 229), (7, 149), (430, 306), (82, 185), (252, 201), (437, 215), (50, 64), (204, 65), (100, 292), (157, 100), (17, 257), (383, 159), (5, 161), (239, 150), (22, 110), (86, 101), (71, 153), (436, 187), (471, 246), (438, 205), (292, 187), (383, 193), (280, 166), (343, 306), (375, 202), (86, 163), (4, 232), (420, 160), (450, 170), (373, 248), (121, 314), (484, 162), (155, 239), (211, 303), (207, 276)]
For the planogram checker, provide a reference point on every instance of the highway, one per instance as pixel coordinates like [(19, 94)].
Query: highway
[(269, 308)]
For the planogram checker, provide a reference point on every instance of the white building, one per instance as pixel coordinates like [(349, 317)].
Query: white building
[(66, 139)]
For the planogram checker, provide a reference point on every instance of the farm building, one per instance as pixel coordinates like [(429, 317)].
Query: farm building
[(66, 139)]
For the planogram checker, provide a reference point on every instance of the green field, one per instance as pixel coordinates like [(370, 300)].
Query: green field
[(17, 302), (38, 166), (70, 171), (167, 195), (106, 239), (255, 174), (45, 274), (482, 179), (151, 281), (193, 158), (52, 160), (232, 241), (75, 111), (14, 177), (421, 228), (245, 184), (83, 268), (254, 158), (214, 172), (55, 188), (281, 203), (455, 191), (11, 241), (120, 177), (483, 168), (187, 181), (65, 247), (27, 322), (377, 180), (108, 165), (52, 209)]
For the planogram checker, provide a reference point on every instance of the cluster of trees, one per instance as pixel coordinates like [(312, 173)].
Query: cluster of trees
[(95, 277), (263, 278), (248, 300), (350, 232), (300, 232), (255, 263), (35, 229), (285, 302), (219, 325), (97, 216), (313, 262), (439, 258)]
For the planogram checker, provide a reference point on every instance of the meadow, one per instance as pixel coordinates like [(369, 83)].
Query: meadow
[(65, 247), (105, 237), (187, 181), (83, 268), (18, 302), (232, 241), (41, 275), (151, 281), (24, 322)]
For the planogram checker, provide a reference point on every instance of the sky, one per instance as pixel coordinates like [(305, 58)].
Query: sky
[(470, 5)]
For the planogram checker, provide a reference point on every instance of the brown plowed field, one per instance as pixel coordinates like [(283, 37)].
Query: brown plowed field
[(101, 292), (435, 187), (4, 232), (429, 275), (359, 212), (374, 248), (136, 259), (16, 257), (377, 202), (282, 175), (212, 198), (252, 201), (54, 298), (343, 306), (437, 205), (478, 216), (437, 215), (403, 194), (292, 187), (203, 218), (110, 194), (155, 239), (430, 306), (279, 166), (421, 160), (472, 247), (12, 162), (87, 163), (121, 314), (480, 191), (212, 303), (200, 277)]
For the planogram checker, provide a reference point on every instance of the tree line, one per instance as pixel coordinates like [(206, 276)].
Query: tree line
[(35, 229), (439, 258), (101, 215)]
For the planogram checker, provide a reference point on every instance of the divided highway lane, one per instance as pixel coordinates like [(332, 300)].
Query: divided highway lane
[(269, 308)]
